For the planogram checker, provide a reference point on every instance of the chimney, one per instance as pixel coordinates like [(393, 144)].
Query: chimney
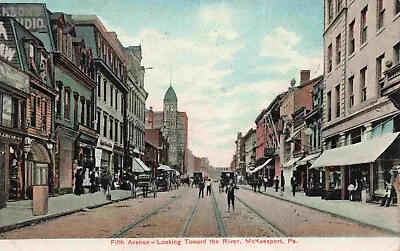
[(304, 76)]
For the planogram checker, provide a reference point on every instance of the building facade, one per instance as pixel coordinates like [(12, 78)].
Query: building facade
[(250, 149), (358, 40), (135, 106), (110, 70)]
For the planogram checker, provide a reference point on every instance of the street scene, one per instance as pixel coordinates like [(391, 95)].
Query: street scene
[(173, 120)]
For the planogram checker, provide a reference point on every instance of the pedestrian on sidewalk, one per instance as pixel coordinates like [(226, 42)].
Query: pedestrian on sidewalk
[(230, 191), (106, 182), (208, 184), (283, 183), (93, 184), (293, 183), (201, 189), (265, 183), (276, 183), (78, 181)]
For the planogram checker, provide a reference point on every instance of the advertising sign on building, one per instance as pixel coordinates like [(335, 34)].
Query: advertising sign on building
[(31, 16)]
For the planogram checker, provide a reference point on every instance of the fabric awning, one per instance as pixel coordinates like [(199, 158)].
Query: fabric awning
[(291, 162), (294, 135), (261, 166), (165, 168), (136, 167), (143, 165), (309, 158), (364, 152)]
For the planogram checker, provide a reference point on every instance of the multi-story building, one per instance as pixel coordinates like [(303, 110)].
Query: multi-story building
[(358, 40), (260, 138), (183, 141), (313, 120), (73, 79), (240, 166), (136, 105), (297, 97), (14, 95), (157, 138), (110, 70), (250, 149)]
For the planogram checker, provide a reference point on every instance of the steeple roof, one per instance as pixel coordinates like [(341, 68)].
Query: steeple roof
[(170, 94)]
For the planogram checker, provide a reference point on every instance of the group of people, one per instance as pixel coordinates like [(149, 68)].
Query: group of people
[(95, 181), (204, 183), (277, 183)]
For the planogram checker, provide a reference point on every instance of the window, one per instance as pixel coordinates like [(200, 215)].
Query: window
[(98, 121), (352, 41), (43, 112), (58, 98), (338, 49), (330, 11), (396, 49), (116, 99), (88, 113), (363, 87), (330, 58), (121, 134), (122, 103), (105, 125), (116, 131), (339, 5), (111, 127), (337, 89), (380, 15), (8, 108), (379, 70), (397, 6), (82, 110), (67, 103), (33, 110), (15, 113), (99, 86), (364, 26), (351, 91), (329, 108), (76, 96), (111, 95), (105, 90)]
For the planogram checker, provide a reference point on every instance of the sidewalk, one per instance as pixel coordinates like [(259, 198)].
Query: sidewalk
[(19, 214), (385, 218)]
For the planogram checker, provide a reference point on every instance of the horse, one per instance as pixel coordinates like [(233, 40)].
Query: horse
[(185, 180)]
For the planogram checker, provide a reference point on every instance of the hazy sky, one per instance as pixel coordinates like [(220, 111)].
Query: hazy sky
[(227, 59)]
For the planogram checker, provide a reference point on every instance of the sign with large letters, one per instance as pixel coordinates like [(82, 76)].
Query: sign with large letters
[(31, 16)]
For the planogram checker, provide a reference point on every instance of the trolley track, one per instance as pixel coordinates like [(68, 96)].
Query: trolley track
[(145, 217)]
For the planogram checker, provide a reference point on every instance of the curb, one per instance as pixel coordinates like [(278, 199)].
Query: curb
[(334, 214), (18, 225)]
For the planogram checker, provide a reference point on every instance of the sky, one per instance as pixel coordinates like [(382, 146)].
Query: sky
[(226, 60)]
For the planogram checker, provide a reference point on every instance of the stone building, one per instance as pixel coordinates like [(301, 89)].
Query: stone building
[(358, 40), (110, 70), (136, 105)]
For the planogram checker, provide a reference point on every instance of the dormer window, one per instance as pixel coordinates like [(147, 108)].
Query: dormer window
[(31, 57)]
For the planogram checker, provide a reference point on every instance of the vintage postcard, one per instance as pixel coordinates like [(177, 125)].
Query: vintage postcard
[(204, 124)]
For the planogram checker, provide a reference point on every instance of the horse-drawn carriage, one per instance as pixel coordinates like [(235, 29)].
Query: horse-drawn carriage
[(226, 176), (198, 178), (167, 178)]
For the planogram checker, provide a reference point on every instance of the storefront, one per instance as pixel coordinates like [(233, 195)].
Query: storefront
[(365, 162), (11, 172), (85, 153), (118, 163), (64, 154), (104, 155)]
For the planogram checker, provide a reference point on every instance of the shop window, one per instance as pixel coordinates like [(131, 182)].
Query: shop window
[(335, 179)]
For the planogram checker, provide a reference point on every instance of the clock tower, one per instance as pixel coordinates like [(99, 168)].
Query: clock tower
[(171, 117)]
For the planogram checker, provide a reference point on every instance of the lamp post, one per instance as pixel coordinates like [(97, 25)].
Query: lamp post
[(27, 149)]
